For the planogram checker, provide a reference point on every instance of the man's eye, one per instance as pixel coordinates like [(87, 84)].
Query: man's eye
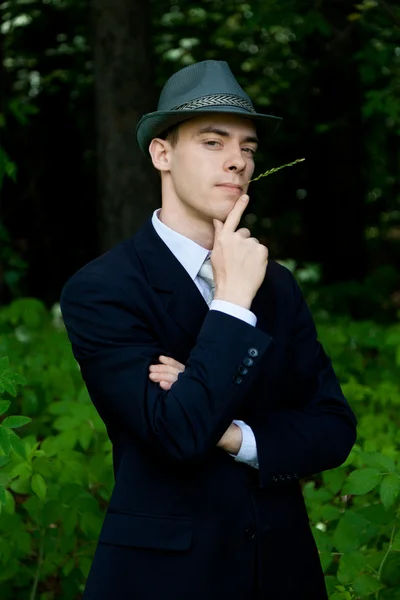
[(212, 143), (250, 151)]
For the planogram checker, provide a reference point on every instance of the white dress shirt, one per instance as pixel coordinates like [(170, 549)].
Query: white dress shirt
[(192, 256)]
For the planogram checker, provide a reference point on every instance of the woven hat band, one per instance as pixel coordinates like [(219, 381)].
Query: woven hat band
[(217, 100)]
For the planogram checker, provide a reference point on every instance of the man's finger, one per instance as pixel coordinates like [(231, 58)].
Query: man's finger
[(233, 219), (165, 369), (167, 360), (218, 225), (165, 385), (244, 232), (157, 377)]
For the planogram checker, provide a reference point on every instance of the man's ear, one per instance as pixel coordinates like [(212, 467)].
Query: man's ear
[(160, 152)]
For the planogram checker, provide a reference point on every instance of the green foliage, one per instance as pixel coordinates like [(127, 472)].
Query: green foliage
[(56, 479), (355, 509)]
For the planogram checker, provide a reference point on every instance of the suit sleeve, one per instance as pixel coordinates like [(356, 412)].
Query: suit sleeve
[(114, 347), (317, 430)]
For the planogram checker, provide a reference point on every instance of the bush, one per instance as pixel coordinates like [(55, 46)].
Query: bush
[(55, 482), (58, 480)]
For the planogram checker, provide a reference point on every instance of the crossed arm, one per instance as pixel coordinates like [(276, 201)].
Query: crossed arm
[(166, 373)]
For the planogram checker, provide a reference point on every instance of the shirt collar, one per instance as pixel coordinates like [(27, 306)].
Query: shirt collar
[(190, 254)]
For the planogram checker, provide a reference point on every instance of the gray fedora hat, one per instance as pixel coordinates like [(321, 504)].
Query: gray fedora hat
[(196, 90)]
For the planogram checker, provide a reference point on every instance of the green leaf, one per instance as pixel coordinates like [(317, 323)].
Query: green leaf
[(4, 440), (2, 495), (9, 503), (91, 524), (396, 542), (4, 364), (377, 460), (4, 406), (16, 421), (350, 566), (4, 478), (4, 460), (84, 565), (341, 596), (69, 565), (334, 479), (10, 388), (365, 585), (22, 470), (390, 575), (349, 531), (362, 481), (330, 513), (345, 537), (17, 445), (390, 489), (69, 522), (39, 486), (23, 541), (85, 435)]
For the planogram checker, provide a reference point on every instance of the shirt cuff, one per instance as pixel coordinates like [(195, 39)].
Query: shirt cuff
[(248, 450), (235, 311)]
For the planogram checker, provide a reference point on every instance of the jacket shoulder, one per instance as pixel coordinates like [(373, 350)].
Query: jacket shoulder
[(116, 267)]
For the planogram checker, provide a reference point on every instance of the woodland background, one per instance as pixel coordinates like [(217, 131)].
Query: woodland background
[(75, 78)]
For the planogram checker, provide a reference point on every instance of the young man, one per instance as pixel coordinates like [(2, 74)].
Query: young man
[(207, 372)]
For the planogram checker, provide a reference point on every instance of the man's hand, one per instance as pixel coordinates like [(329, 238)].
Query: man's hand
[(239, 261), (231, 441), (166, 373)]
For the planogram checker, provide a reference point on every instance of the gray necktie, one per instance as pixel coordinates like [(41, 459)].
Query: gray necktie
[(206, 273)]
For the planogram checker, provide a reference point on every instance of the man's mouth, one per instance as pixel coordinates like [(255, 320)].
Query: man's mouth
[(230, 186)]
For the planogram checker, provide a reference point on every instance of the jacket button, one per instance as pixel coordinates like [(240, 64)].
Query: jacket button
[(237, 380), (248, 362), (242, 370), (250, 533), (253, 352)]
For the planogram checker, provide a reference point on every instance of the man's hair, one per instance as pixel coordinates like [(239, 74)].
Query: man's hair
[(171, 134)]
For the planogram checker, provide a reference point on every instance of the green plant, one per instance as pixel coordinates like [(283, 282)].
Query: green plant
[(58, 480)]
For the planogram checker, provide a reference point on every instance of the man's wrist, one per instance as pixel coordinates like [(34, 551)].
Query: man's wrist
[(231, 441), (233, 296)]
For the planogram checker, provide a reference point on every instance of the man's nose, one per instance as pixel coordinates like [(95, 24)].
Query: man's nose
[(236, 161)]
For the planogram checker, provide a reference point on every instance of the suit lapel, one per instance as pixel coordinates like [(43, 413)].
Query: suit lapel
[(170, 280)]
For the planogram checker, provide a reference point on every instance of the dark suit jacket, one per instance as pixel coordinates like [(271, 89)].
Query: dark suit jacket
[(185, 520)]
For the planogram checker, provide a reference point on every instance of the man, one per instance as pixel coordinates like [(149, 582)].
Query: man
[(201, 357)]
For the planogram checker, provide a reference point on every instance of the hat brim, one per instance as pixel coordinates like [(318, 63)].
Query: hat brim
[(155, 123)]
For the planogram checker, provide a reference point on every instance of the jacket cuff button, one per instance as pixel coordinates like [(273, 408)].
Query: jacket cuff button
[(248, 362)]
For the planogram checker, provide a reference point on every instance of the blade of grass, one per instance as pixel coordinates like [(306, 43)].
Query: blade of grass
[(275, 169)]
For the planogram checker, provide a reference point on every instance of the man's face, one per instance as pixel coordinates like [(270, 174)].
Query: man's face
[(211, 165)]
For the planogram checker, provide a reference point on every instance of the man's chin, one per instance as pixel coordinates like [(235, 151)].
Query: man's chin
[(223, 213)]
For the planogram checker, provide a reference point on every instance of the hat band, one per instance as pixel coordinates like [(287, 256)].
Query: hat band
[(217, 100)]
